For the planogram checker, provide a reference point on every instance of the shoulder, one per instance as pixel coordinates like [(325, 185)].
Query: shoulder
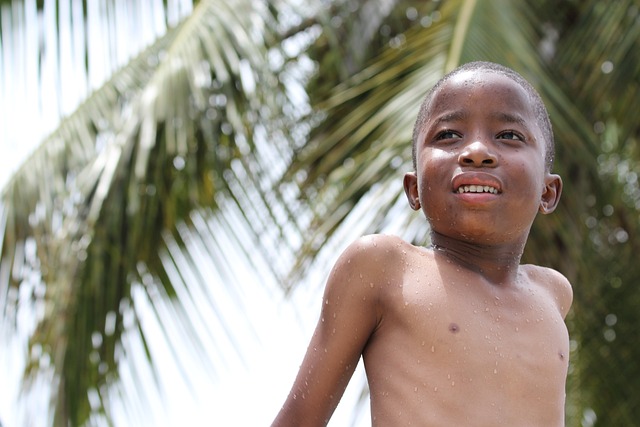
[(371, 259), (358, 281), (555, 283), (378, 244), (374, 249)]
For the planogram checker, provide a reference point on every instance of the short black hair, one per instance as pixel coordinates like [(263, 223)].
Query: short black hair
[(542, 116)]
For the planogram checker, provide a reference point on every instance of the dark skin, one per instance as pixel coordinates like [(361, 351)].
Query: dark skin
[(460, 333)]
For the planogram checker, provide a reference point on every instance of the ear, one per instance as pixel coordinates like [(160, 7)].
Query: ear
[(411, 190), (550, 194)]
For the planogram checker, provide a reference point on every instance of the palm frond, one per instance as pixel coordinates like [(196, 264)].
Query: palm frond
[(362, 146), (151, 173), (200, 149)]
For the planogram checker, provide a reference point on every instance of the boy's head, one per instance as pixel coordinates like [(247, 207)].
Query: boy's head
[(483, 150), (538, 105)]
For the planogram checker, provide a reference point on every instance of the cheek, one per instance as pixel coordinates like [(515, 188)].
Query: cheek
[(436, 155), (435, 176), (434, 164)]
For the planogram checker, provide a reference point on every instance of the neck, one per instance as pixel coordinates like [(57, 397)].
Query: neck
[(498, 263)]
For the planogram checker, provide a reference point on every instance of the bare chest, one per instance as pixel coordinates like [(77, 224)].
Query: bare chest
[(464, 317), (447, 339), (452, 349)]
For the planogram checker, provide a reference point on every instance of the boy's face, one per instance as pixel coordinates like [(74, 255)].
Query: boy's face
[(480, 173)]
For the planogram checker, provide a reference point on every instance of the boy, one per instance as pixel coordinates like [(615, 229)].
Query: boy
[(457, 334)]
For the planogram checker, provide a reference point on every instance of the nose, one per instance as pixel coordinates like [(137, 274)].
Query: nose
[(477, 154)]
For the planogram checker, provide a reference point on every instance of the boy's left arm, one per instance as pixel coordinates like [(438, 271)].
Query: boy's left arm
[(348, 318)]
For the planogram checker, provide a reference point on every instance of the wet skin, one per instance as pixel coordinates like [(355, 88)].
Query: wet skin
[(481, 130), (458, 334)]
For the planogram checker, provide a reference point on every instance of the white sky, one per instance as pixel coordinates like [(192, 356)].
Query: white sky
[(272, 332)]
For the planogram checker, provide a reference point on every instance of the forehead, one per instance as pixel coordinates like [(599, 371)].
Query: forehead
[(483, 90)]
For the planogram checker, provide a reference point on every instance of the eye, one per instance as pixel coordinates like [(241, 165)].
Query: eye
[(510, 135), (447, 134)]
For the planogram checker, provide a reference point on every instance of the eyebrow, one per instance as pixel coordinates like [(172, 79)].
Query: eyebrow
[(509, 118), (457, 116)]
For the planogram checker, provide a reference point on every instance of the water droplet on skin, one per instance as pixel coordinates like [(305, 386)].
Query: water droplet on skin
[(371, 284), (415, 389), (433, 349), (435, 389)]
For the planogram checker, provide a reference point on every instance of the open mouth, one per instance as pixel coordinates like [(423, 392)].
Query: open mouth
[(476, 183), (477, 189)]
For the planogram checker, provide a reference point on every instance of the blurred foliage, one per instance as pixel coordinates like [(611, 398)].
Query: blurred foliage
[(286, 126)]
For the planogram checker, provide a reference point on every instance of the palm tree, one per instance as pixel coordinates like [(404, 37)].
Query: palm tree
[(276, 127)]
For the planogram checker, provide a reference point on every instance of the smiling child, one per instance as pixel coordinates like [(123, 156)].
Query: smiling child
[(458, 333)]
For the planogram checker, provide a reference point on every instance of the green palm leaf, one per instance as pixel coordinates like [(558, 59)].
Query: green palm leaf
[(358, 153), (202, 147), (191, 101)]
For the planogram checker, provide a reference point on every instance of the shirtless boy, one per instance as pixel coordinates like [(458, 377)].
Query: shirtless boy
[(457, 334)]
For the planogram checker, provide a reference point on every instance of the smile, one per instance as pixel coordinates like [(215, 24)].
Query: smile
[(477, 189)]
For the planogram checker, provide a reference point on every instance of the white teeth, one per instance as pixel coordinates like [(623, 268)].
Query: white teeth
[(477, 189)]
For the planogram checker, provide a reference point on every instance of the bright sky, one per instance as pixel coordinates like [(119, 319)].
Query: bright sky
[(253, 376)]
